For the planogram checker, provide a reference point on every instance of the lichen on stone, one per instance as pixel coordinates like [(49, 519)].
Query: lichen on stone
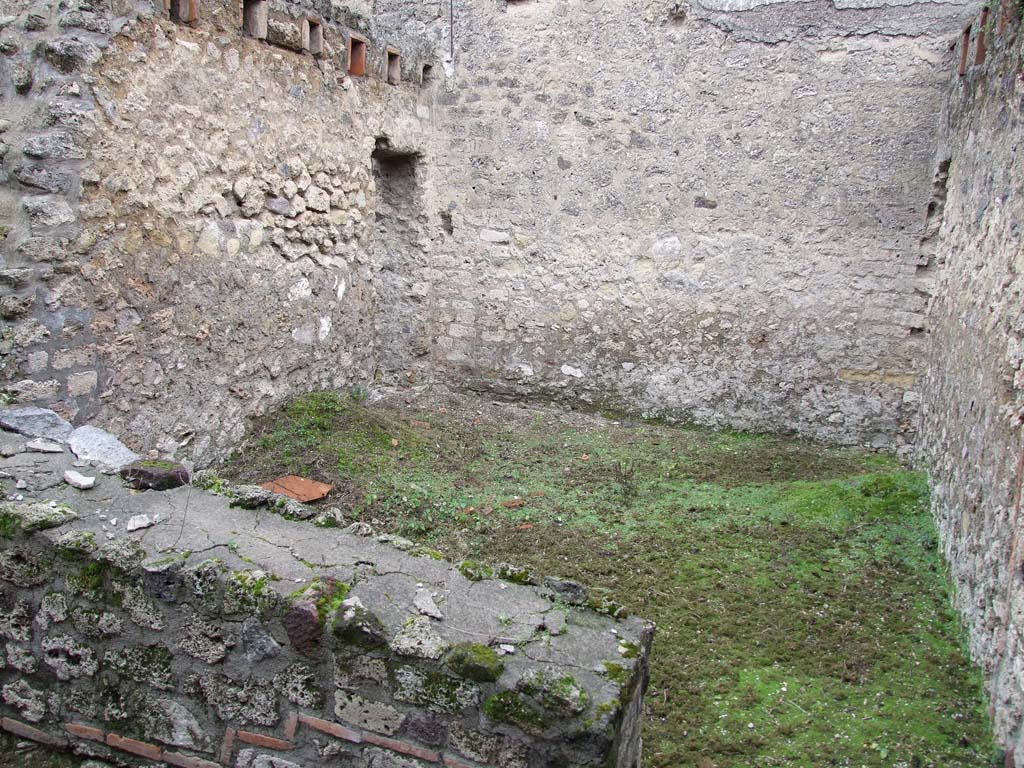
[(76, 544), (97, 623), (29, 701), (31, 517), (251, 701), (419, 640), (68, 658), (249, 593), (435, 690), (475, 571), (354, 625), (16, 622), (516, 574), (559, 694), (298, 684), (25, 568), (203, 639), (137, 604), (205, 583), (475, 661), (150, 664)]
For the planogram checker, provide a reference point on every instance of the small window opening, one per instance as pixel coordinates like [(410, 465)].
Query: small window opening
[(965, 45), (356, 56), (254, 18), (980, 47), (394, 63), (184, 11), (427, 74), (315, 38)]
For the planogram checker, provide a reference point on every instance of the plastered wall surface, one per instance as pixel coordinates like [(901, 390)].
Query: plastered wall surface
[(972, 393), (707, 212)]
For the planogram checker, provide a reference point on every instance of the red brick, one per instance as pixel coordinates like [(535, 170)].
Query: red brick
[(332, 729), (140, 748), (227, 746), (453, 762), (291, 723), (403, 747), (84, 732), (259, 740), (26, 731), (186, 761)]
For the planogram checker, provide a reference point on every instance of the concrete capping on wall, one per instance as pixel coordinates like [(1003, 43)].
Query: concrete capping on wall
[(198, 640)]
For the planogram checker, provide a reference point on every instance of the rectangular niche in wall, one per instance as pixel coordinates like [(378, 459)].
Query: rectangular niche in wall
[(254, 18), (356, 56), (394, 66), (399, 251), (314, 37)]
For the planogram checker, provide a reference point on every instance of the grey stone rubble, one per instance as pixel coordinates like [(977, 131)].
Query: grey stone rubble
[(201, 619)]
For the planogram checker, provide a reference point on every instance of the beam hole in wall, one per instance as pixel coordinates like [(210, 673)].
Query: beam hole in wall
[(427, 74), (315, 37), (254, 18), (515, 5), (356, 56), (394, 67)]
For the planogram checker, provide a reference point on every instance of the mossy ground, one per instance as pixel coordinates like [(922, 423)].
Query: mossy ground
[(802, 604)]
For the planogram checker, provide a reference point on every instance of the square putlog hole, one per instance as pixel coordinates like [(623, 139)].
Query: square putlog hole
[(356, 57), (394, 71)]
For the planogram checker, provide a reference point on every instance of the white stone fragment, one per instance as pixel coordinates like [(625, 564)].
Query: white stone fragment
[(44, 446), (569, 370), (139, 522), (424, 603), (78, 480), (494, 236), (94, 444)]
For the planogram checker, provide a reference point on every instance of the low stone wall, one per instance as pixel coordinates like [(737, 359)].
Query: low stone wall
[(175, 627)]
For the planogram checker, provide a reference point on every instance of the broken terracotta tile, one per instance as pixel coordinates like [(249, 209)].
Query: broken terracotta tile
[(298, 488)]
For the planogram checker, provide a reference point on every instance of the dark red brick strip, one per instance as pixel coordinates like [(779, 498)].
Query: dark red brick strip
[(140, 748), (291, 724), (85, 732), (227, 746), (402, 747), (451, 761), (332, 729), (267, 742), (27, 731), (186, 761)]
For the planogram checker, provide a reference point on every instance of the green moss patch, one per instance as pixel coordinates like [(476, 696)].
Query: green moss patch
[(475, 662)]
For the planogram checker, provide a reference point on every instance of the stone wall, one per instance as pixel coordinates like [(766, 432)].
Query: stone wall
[(179, 627), (974, 392), (189, 210), (711, 210)]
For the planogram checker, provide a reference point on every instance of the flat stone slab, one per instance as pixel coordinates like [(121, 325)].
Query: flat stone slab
[(36, 422), (94, 444)]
